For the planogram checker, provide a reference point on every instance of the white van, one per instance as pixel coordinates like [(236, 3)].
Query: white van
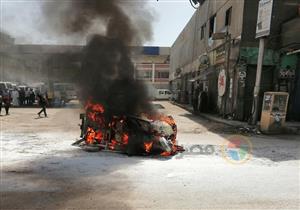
[(163, 94), (5, 86), (66, 91)]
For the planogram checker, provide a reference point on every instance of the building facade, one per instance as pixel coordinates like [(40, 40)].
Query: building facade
[(29, 63), (217, 51), (152, 65), (11, 66)]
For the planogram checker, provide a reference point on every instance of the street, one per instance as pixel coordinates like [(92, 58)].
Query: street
[(41, 170)]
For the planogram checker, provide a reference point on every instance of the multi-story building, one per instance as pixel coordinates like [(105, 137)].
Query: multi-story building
[(45, 63), (152, 65), (217, 50), (11, 66)]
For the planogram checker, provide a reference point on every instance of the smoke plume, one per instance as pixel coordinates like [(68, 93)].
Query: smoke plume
[(107, 73), (126, 20)]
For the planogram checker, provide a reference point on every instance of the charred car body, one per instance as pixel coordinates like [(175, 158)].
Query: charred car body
[(127, 134)]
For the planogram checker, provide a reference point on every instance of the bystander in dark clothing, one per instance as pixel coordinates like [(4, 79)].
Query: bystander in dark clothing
[(43, 103), (31, 97), (195, 98), (22, 96), (6, 97), (1, 101)]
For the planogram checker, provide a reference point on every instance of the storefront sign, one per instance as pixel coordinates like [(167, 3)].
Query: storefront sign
[(222, 83), (203, 62), (264, 18)]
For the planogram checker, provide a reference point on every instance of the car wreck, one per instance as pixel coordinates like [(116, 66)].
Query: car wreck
[(131, 135)]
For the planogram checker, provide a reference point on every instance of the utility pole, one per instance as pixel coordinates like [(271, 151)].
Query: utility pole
[(228, 51), (263, 28), (258, 80)]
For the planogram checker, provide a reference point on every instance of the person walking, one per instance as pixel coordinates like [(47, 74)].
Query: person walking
[(43, 103), (6, 97)]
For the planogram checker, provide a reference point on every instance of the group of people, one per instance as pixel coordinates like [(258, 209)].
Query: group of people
[(23, 97), (19, 97)]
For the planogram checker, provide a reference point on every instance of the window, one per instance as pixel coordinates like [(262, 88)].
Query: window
[(203, 28), (167, 92), (144, 74), (212, 25), (228, 17), (162, 74)]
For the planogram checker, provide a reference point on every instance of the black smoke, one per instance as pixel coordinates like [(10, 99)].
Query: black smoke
[(107, 72), (107, 77), (127, 20)]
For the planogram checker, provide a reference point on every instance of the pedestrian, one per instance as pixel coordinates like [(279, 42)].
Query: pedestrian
[(1, 100), (195, 97), (22, 96), (43, 103), (27, 96), (31, 97), (15, 97), (6, 97)]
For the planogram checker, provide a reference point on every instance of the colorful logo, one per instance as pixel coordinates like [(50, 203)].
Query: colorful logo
[(237, 149)]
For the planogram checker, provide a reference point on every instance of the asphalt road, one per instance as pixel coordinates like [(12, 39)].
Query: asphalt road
[(41, 170)]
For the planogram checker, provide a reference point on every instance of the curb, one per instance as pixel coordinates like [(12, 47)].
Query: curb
[(288, 130), (206, 116)]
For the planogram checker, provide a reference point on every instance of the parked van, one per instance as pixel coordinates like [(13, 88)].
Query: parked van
[(66, 91), (5, 86), (163, 94)]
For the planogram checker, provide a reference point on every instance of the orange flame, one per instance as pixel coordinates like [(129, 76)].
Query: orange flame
[(148, 146), (118, 137), (165, 154), (125, 138), (90, 136), (113, 144), (94, 107)]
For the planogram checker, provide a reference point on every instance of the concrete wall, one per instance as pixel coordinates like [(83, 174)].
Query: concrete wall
[(189, 45), (11, 66), (149, 67)]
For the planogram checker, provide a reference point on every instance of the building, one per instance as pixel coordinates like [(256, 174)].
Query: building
[(45, 63), (289, 67), (11, 66), (217, 50), (25, 64), (152, 65)]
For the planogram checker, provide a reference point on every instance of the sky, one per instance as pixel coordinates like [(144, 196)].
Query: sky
[(173, 15), (20, 18)]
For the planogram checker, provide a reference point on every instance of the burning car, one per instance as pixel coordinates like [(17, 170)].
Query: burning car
[(132, 135)]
